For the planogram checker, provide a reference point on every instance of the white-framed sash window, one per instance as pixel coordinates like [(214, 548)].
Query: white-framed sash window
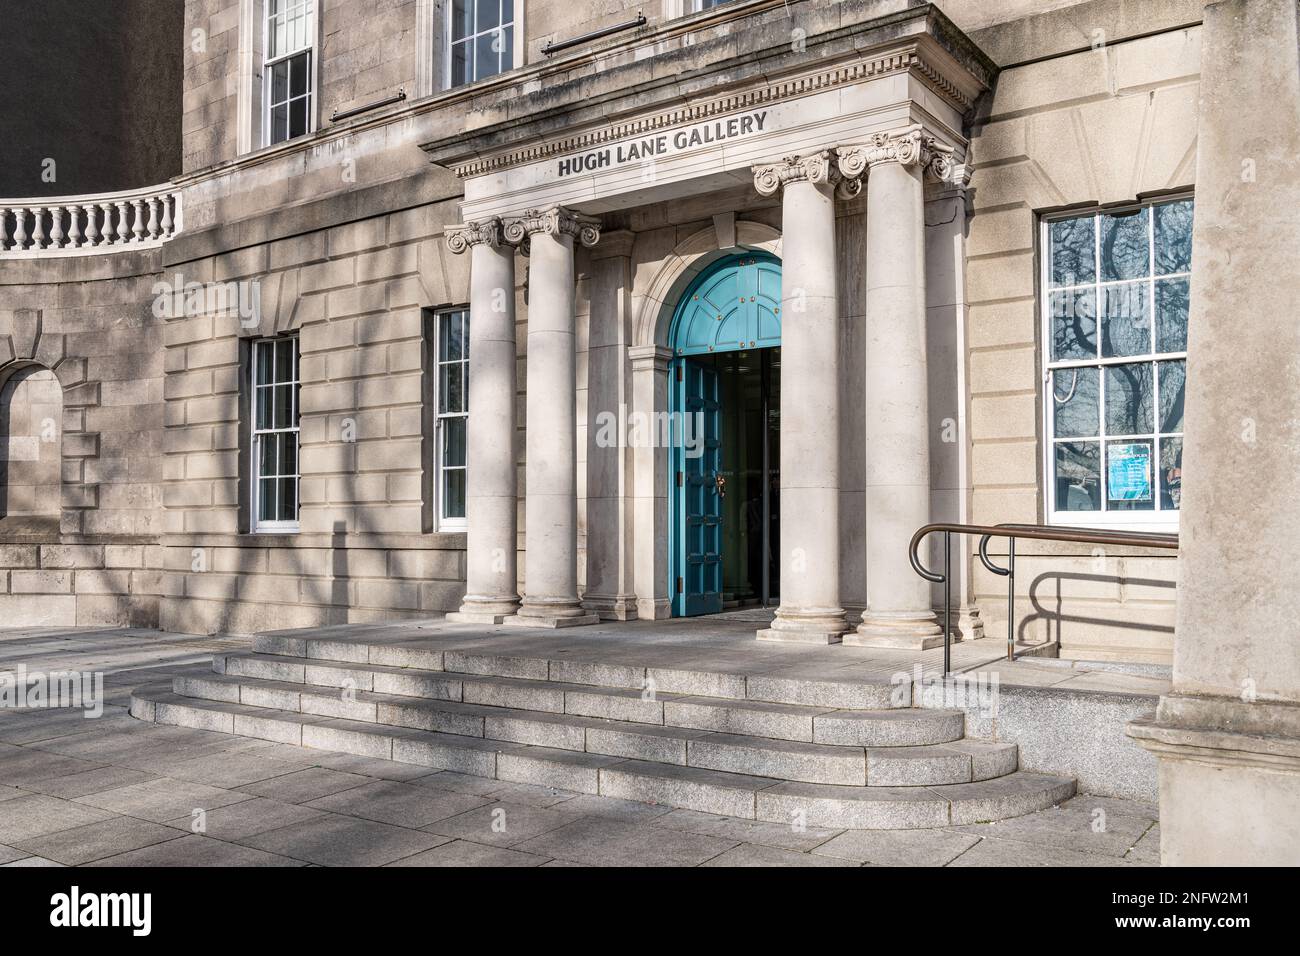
[(275, 383), (451, 409), (480, 39), (1115, 305), (288, 70)]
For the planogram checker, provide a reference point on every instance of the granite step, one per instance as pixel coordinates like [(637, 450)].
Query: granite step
[(698, 788), (950, 762), (420, 652), (765, 718)]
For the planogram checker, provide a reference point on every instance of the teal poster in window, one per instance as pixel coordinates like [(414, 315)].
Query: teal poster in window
[(1128, 472)]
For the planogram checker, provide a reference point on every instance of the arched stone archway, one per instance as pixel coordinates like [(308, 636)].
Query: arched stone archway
[(652, 314), (31, 426)]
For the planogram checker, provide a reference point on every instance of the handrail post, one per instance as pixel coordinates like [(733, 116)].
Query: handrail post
[(1011, 597), (947, 603)]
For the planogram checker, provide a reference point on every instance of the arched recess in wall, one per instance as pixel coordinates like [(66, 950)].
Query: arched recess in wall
[(31, 448), (652, 323)]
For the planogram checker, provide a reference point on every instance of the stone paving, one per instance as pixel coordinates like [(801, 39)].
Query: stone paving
[(113, 791)]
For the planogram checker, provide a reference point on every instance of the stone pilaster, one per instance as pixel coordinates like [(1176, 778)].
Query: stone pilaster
[(550, 472), (810, 610), (491, 499), (1227, 735), (895, 163)]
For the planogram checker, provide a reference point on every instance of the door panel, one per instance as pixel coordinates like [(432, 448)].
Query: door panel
[(699, 558)]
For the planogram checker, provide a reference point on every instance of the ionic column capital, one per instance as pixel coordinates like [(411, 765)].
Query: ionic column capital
[(461, 236), (816, 168), (556, 221), (910, 146)]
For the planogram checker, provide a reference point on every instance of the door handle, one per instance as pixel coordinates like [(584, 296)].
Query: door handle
[(721, 484)]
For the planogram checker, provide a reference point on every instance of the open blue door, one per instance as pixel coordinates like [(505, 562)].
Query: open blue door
[(699, 490)]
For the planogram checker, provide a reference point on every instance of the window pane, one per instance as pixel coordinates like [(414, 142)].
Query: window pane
[(268, 447), (489, 14), (1075, 402), (263, 416), (265, 355), (1078, 476), (298, 117), (280, 82), (287, 500), (287, 460), (1171, 473), (452, 388), (459, 64), (1128, 476), (1173, 388), (462, 19), (507, 11), (453, 493), (1074, 324), (453, 442), (285, 366), (1125, 247), (487, 47), (266, 499), (508, 49), (1172, 298), (279, 124), (284, 417), (1071, 251), (298, 74), (1128, 399), (1125, 322), (1173, 226)]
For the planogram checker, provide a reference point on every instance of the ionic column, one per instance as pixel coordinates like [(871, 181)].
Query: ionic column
[(550, 473), (899, 611), (810, 609), (491, 567)]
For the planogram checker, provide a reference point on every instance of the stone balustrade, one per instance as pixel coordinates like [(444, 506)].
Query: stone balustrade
[(89, 225)]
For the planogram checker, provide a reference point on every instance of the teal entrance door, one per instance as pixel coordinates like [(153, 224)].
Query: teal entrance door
[(732, 306), (699, 451)]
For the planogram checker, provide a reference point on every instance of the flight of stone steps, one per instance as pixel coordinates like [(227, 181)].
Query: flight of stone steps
[(824, 753)]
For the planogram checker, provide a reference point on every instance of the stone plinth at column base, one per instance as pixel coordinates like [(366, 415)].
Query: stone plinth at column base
[(484, 611), (818, 625), (916, 633), (611, 608), (475, 617), (1227, 797), (551, 620)]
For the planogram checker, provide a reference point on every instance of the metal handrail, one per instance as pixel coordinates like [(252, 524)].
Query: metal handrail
[(1034, 532)]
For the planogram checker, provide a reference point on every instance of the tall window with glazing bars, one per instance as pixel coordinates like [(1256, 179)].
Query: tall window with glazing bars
[(1115, 355)]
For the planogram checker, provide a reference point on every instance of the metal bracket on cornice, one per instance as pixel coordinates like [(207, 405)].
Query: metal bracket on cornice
[(550, 48), (388, 101)]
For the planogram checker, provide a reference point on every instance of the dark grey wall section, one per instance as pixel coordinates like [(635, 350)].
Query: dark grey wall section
[(94, 85)]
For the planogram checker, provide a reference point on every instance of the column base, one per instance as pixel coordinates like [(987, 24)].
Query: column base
[(617, 608), (518, 620), (484, 611), (813, 626), (912, 632)]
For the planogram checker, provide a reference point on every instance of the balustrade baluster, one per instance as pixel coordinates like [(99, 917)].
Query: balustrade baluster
[(56, 227), (137, 225), (167, 201), (38, 229), (74, 227), (20, 230), (153, 217), (123, 233)]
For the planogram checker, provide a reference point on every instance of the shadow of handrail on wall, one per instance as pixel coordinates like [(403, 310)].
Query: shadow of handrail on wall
[(1051, 581)]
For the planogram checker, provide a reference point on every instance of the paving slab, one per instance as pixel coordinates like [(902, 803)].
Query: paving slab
[(777, 835), (161, 800), (464, 853), (246, 818), (196, 850), (96, 841), (401, 804), (37, 814), (10, 853), (234, 769), (1147, 848), (937, 847), (89, 781), (626, 811), (601, 841), (336, 840), (991, 852), (1111, 834), (531, 794), (303, 786), (751, 854), (502, 824)]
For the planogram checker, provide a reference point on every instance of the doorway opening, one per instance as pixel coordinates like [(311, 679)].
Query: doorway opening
[(724, 488)]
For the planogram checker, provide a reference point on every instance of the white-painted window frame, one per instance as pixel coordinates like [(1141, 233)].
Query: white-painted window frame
[(1157, 519), (441, 416), (278, 526), (443, 42), (310, 46)]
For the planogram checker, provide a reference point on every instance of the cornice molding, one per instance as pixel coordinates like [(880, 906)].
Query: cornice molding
[(556, 221), (909, 59)]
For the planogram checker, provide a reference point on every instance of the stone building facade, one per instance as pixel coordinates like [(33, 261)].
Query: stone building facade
[(263, 420)]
